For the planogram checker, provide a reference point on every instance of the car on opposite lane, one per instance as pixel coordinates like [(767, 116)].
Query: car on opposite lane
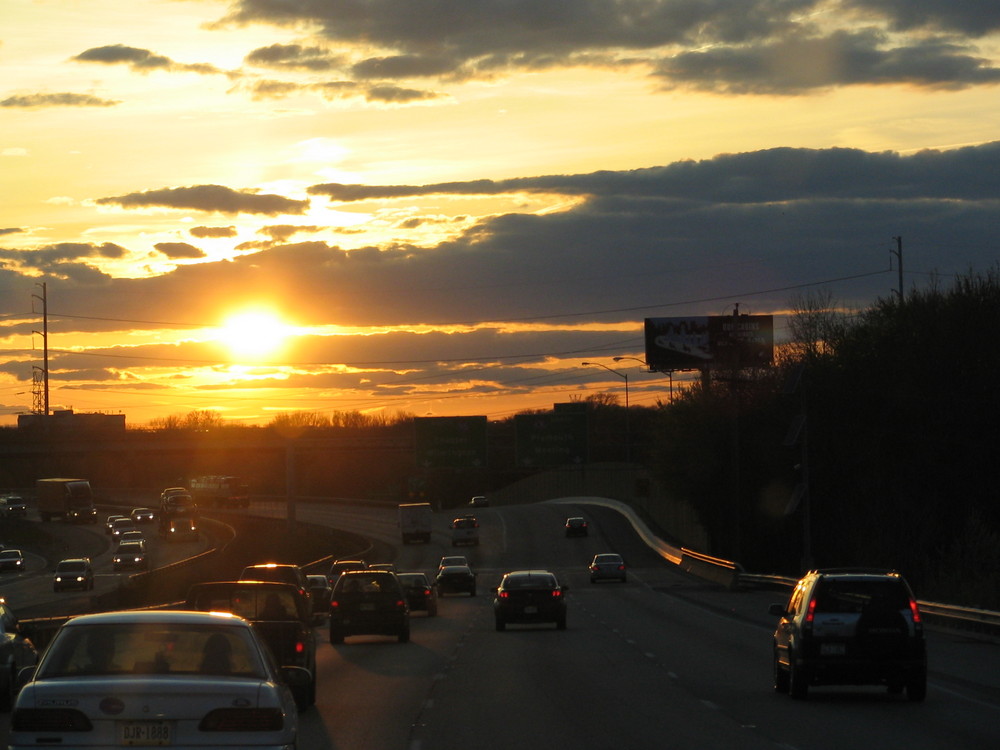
[(142, 515), (109, 524), (157, 677), (130, 555), (368, 602), (73, 573), (11, 560), (608, 566), (529, 596)]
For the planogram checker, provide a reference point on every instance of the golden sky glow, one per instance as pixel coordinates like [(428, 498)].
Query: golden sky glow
[(446, 217)]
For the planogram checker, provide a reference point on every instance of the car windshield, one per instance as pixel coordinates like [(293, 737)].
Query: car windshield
[(413, 579), (150, 649), (71, 567), (8, 554)]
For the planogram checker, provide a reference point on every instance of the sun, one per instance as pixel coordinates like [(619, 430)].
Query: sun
[(254, 334)]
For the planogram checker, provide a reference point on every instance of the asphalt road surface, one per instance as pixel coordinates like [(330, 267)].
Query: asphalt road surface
[(663, 661)]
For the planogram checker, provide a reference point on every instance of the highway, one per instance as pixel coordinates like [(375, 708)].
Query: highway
[(663, 661)]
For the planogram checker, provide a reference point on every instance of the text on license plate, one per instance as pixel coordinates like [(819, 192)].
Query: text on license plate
[(367, 607), (144, 733), (531, 610), (832, 649)]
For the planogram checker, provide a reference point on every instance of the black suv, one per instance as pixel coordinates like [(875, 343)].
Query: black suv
[(848, 626), (368, 602)]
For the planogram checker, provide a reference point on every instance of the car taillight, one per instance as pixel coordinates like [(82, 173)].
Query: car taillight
[(400, 603), (427, 592), (49, 720), (300, 647), (334, 604), (810, 615), (503, 594), (243, 720), (556, 593), (915, 613), (621, 567)]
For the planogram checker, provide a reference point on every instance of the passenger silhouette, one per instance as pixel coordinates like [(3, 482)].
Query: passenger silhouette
[(216, 656)]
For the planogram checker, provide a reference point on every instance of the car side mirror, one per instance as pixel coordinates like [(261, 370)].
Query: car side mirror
[(778, 610)]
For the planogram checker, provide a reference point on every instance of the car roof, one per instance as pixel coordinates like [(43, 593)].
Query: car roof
[(456, 569), (529, 574), (164, 616)]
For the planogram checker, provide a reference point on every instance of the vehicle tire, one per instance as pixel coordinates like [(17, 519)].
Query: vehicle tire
[(561, 623), (404, 635), (780, 676), (336, 635), (501, 625), (798, 687), (472, 592), (916, 687)]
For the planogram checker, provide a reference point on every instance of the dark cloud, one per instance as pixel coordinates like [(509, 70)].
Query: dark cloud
[(800, 64), (10, 230), (401, 66), (777, 45), (295, 57), (281, 232), (32, 101), (753, 177), (202, 232), (211, 198), (971, 17), (179, 250), (141, 60)]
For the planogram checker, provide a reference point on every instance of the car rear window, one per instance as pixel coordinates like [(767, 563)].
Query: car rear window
[(529, 582), (848, 597), (367, 583)]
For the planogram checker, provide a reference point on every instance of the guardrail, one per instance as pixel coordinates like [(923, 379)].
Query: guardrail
[(731, 574)]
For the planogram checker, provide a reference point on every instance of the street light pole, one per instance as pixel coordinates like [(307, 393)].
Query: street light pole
[(628, 431)]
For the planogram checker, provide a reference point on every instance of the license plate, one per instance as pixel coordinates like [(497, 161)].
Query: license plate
[(832, 649), (531, 610), (367, 607), (144, 733)]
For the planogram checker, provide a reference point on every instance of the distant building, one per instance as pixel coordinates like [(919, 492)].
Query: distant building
[(66, 423)]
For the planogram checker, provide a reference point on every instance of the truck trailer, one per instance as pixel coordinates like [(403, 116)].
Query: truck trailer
[(69, 499), (415, 522)]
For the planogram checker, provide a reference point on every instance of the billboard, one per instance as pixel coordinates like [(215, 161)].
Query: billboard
[(699, 343)]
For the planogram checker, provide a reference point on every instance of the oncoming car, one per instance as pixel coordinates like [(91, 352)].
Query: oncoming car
[(130, 555), (11, 559), (529, 596), (157, 677), (73, 573)]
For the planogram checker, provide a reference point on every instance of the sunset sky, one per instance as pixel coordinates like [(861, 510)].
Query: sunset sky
[(445, 207)]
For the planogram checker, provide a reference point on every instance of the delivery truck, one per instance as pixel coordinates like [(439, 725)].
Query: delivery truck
[(69, 499), (415, 522)]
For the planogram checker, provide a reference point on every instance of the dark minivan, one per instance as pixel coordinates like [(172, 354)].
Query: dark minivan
[(368, 602)]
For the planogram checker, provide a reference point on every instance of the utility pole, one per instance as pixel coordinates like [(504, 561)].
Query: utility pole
[(45, 346), (898, 252)]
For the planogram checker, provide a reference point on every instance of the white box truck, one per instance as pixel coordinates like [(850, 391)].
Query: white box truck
[(69, 499), (415, 522)]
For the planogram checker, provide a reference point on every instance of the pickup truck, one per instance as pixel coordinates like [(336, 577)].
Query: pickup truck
[(277, 611)]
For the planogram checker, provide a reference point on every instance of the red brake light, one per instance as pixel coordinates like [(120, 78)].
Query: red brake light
[(300, 647), (811, 612), (502, 594), (556, 593), (915, 611)]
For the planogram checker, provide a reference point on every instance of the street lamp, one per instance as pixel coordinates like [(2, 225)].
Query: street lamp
[(670, 373), (628, 432)]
